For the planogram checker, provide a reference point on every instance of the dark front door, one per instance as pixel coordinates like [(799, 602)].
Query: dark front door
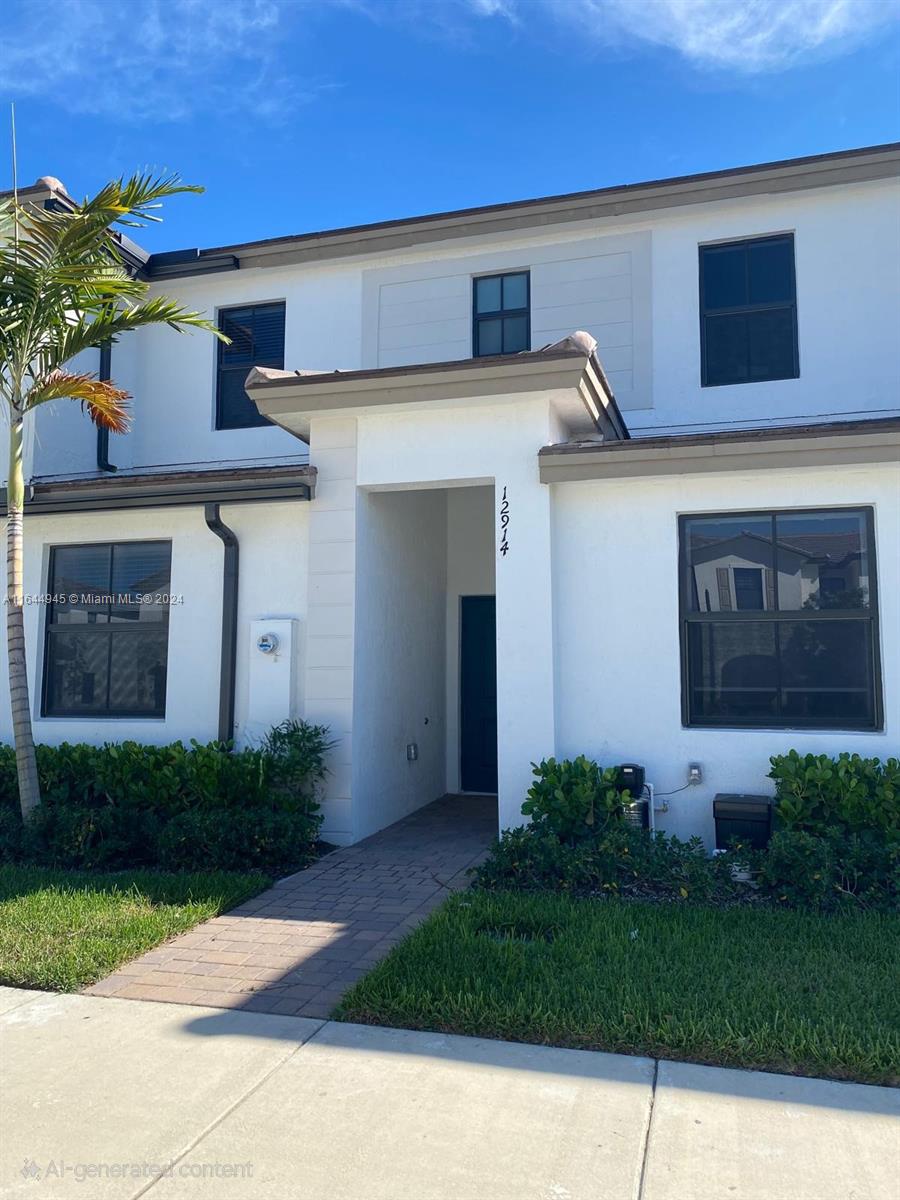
[(478, 694)]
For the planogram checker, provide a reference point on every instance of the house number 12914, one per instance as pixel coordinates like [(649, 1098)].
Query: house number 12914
[(504, 524)]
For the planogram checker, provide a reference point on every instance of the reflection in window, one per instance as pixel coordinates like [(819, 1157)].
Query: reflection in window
[(779, 619), (107, 634)]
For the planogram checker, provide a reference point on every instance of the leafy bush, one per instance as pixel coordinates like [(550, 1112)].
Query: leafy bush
[(277, 840), (573, 799), (815, 793), (200, 806), (622, 860), (837, 843), (829, 871)]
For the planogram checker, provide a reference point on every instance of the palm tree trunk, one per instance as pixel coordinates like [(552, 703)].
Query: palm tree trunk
[(26, 764)]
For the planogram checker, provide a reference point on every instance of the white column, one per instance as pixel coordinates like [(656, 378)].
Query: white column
[(525, 701), (331, 612)]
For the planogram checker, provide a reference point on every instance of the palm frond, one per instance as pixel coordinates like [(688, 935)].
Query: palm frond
[(105, 403)]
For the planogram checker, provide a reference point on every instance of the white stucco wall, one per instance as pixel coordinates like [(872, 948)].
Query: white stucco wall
[(618, 686), (269, 534), (631, 280), (400, 654)]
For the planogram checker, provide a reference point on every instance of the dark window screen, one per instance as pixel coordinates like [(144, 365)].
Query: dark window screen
[(748, 312), (107, 630), (779, 620), (257, 340)]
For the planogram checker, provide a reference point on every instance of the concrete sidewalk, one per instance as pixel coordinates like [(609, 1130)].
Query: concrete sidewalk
[(96, 1092)]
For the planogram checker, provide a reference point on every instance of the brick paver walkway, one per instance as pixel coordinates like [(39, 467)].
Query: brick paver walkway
[(297, 947)]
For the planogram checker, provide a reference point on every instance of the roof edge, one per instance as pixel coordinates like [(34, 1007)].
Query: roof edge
[(861, 164), (875, 440)]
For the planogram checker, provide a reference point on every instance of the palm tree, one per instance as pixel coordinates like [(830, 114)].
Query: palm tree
[(65, 287)]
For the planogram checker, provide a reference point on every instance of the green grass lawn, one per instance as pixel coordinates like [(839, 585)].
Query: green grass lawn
[(745, 987), (62, 930)]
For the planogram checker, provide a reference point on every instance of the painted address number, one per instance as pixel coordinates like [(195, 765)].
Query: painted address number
[(504, 524)]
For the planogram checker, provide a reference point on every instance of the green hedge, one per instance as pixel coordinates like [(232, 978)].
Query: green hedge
[(816, 794), (196, 807), (836, 845)]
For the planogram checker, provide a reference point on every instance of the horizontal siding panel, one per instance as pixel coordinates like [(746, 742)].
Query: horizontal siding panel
[(582, 316), (420, 312), (441, 287), (617, 359), (409, 356), (595, 267), (620, 381), (620, 334), (430, 333), (579, 291)]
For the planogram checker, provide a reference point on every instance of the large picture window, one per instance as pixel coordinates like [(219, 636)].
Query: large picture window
[(748, 311), (107, 630), (779, 620), (257, 340)]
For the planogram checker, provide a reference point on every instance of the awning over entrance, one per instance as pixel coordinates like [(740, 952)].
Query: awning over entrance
[(568, 371)]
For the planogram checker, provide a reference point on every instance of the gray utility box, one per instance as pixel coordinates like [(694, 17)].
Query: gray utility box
[(747, 818)]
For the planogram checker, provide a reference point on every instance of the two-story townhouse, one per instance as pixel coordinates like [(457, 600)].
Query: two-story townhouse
[(614, 472)]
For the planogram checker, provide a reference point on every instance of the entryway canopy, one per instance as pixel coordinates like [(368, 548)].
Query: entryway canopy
[(569, 371)]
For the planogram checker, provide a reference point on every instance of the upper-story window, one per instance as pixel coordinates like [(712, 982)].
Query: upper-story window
[(107, 633), (748, 311), (779, 620), (257, 340), (501, 316)]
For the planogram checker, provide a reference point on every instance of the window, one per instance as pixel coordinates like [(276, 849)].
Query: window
[(257, 340), (779, 620), (501, 317), (107, 630), (748, 311)]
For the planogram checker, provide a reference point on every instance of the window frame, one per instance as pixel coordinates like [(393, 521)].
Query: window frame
[(501, 313), (134, 630), (736, 310), (871, 616), (221, 349)]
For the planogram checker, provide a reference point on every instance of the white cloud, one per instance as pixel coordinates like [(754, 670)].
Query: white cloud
[(154, 59), (749, 36)]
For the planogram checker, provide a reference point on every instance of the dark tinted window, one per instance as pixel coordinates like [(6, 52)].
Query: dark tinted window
[(779, 620), (501, 320), (257, 340), (107, 630), (748, 311)]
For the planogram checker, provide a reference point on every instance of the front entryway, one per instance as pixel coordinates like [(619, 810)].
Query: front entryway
[(478, 694)]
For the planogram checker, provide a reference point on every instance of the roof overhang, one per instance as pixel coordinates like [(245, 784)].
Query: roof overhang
[(865, 164), (829, 444), (569, 372), (174, 488)]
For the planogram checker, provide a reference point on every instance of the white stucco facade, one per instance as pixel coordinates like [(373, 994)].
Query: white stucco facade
[(421, 497)]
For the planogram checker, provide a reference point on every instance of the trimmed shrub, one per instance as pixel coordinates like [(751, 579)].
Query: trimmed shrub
[(622, 860), (573, 799), (815, 793), (277, 841), (829, 871), (200, 806)]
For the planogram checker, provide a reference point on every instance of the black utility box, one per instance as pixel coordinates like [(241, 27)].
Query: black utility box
[(637, 814), (632, 777), (747, 818)]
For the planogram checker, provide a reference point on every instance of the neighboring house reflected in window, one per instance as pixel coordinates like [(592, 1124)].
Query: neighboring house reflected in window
[(786, 631)]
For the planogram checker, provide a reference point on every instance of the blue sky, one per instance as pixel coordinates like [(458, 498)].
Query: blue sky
[(310, 114)]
